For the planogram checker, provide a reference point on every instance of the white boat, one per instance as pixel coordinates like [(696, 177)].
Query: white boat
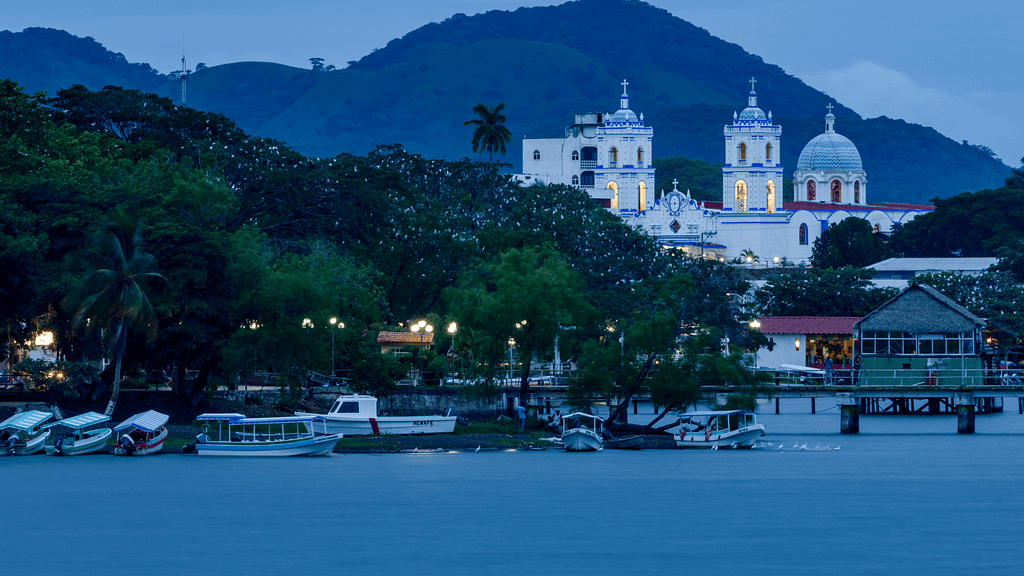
[(143, 434), (78, 435), (356, 415), (719, 429), (24, 433), (236, 435), (582, 432)]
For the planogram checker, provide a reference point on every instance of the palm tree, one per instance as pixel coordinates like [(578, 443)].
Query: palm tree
[(490, 134), (117, 296)]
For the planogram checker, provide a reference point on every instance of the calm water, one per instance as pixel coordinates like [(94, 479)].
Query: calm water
[(906, 496)]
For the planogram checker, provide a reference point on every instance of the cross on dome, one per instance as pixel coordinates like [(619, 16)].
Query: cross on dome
[(624, 84), (829, 107), (675, 185), (752, 82)]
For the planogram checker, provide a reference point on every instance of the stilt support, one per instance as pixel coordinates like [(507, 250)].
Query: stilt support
[(964, 402), (849, 413), (777, 406), (812, 405)]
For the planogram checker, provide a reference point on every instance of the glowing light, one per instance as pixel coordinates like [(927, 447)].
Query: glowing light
[(44, 339)]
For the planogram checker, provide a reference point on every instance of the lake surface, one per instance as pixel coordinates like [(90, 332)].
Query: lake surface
[(908, 495)]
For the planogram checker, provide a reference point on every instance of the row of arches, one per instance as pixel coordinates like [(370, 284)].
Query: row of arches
[(741, 196), (767, 152), (641, 196), (835, 191)]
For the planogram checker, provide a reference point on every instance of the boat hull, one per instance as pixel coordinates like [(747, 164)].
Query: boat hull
[(311, 446), (630, 443), (386, 425), (92, 441), (152, 447), (577, 440), (742, 438), (32, 446)]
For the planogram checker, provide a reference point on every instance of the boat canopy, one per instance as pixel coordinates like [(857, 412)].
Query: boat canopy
[(81, 421), (280, 420), (26, 420), (581, 415), (229, 416), (148, 421), (705, 413)]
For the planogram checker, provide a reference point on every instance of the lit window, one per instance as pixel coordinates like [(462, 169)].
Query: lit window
[(856, 191), (536, 154), (615, 198), (771, 196), (743, 152), (613, 155), (741, 196), (810, 190), (643, 196), (837, 191), (768, 152), (640, 155)]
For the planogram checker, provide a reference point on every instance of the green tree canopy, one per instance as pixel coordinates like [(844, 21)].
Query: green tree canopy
[(849, 242), (490, 134), (845, 291)]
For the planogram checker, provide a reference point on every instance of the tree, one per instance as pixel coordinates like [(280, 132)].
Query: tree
[(490, 134), (844, 291), (528, 296), (117, 297), (849, 242), (318, 64)]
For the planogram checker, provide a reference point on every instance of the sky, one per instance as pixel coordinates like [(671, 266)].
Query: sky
[(954, 66)]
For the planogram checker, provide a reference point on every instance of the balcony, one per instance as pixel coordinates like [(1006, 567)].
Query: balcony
[(588, 164)]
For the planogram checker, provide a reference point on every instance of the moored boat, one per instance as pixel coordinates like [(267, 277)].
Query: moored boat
[(577, 436), (24, 433), (624, 443), (356, 415), (236, 435), (719, 429), (144, 433), (78, 435)]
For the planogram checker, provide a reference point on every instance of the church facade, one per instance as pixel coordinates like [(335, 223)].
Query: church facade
[(608, 155)]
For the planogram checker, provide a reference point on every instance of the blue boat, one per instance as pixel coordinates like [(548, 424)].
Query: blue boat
[(24, 433), (78, 435)]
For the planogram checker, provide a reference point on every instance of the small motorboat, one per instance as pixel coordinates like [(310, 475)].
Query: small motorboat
[(356, 415), (577, 436), (143, 434), (624, 443), (719, 429), (237, 435), (78, 435), (24, 433)]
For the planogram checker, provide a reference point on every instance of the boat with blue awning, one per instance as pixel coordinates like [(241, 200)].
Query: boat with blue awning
[(233, 434), (24, 433), (143, 433), (78, 435)]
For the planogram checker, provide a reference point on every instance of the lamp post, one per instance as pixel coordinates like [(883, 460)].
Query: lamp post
[(452, 329), (334, 322), (421, 327), (756, 325), (511, 345)]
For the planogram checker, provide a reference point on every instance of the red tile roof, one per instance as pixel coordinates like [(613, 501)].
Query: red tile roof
[(794, 206), (412, 338), (808, 324)]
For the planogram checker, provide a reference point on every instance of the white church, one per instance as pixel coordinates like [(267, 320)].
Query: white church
[(609, 155)]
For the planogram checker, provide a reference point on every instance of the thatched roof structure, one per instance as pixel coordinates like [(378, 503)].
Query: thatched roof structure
[(920, 309)]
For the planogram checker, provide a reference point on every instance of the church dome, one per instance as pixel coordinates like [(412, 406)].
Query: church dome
[(753, 115), (625, 115), (829, 151)]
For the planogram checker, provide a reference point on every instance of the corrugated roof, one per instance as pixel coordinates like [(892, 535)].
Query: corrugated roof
[(405, 338), (148, 421), (934, 264), (808, 324), (82, 420), (26, 420), (920, 309)]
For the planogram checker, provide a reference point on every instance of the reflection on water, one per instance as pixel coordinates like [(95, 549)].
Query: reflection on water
[(907, 496)]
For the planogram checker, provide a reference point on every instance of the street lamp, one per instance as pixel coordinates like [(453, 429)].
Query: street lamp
[(334, 322), (452, 329), (756, 325), (511, 345), (420, 328)]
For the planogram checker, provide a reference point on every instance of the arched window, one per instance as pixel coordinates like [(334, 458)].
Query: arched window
[(536, 154), (640, 156), (741, 196), (643, 197), (875, 229), (575, 155), (613, 155), (837, 191), (810, 190), (856, 191), (768, 152), (803, 234), (615, 197), (587, 179), (575, 180), (771, 196), (743, 152), (590, 154)]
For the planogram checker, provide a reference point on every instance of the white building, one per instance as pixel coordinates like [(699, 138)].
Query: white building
[(606, 154), (897, 272), (609, 156)]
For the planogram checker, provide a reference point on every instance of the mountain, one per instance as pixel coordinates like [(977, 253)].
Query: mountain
[(548, 63)]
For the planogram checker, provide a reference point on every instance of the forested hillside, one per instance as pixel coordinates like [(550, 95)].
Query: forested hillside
[(546, 64)]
